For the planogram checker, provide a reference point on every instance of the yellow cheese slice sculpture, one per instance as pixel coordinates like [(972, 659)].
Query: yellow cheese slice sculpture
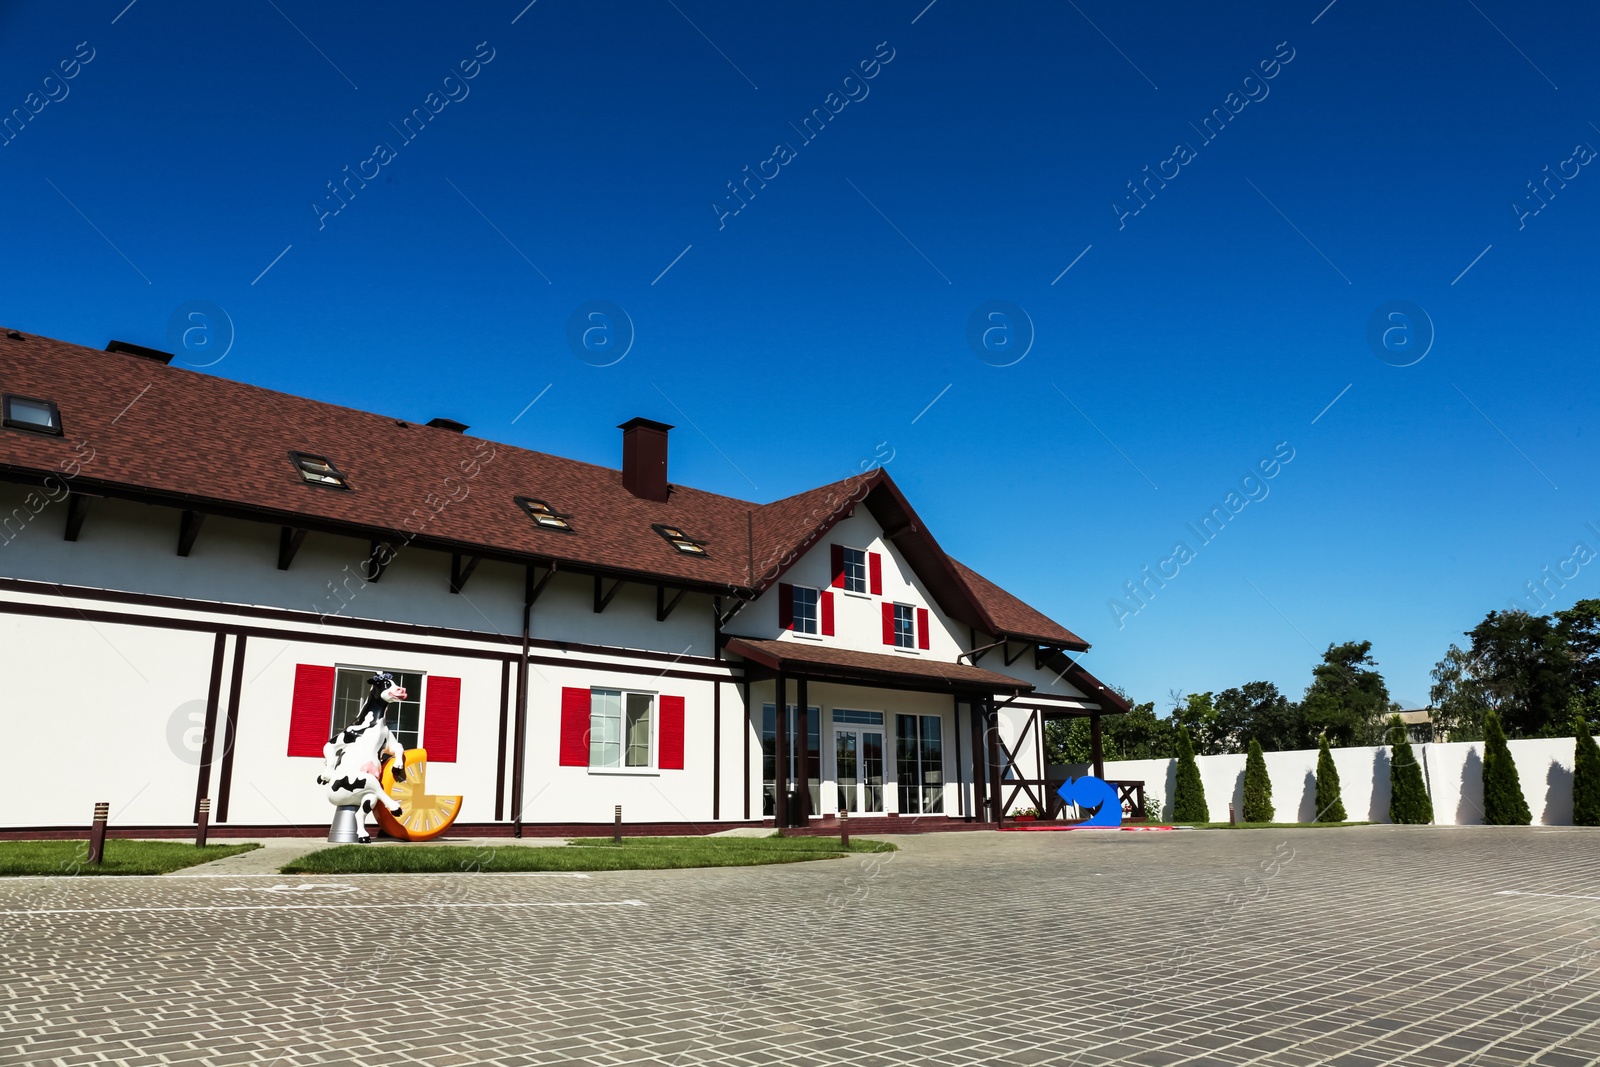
[(423, 816)]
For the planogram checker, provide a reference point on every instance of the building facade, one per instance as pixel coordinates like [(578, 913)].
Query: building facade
[(197, 576)]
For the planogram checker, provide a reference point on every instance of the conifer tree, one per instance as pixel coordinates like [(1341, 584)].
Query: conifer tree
[(1257, 786), (1188, 794), (1503, 802), (1330, 805), (1408, 793), (1585, 770)]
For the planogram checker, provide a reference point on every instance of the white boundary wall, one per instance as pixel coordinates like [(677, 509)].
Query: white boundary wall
[(1454, 773)]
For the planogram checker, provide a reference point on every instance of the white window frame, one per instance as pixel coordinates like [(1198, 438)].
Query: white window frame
[(910, 643), (367, 672), (866, 572), (622, 766), (795, 615)]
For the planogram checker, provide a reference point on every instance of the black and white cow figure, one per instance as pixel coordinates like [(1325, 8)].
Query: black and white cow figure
[(353, 756)]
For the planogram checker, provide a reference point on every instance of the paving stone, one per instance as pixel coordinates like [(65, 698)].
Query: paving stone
[(1369, 946)]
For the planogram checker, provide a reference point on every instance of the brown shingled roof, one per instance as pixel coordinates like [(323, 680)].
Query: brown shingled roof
[(826, 662), (167, 435)]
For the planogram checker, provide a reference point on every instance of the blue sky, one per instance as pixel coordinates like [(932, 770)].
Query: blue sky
[(827, 322)]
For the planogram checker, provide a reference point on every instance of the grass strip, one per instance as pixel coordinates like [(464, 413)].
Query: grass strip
[(71, 858), (582, 854)]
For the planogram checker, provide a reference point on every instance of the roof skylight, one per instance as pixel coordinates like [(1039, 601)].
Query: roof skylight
[(545, 515), (318, 470), (680, 540)]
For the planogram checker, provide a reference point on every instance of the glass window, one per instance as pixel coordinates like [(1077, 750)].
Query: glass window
[(865, 718), (350, 694), (919, 763), (905, 626), (543, 514), (318, 470), (855, 570), (769, 754), (805, 610), (619, 728), (25, 413)]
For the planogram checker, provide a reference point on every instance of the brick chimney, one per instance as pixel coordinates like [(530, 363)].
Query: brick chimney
[(644, 458)]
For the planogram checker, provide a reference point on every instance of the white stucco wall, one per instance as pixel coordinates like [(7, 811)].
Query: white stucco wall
[(1453, 772)]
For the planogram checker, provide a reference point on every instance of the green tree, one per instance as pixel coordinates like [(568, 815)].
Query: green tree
[(1516, 664), (1347, 700), (1257, 711), (1140, 734), (1585, 770), (1198, 715), (1408, 793), (1503, 802), (1189, 793), (1579, 630), (1330, 805), (1257, 786)]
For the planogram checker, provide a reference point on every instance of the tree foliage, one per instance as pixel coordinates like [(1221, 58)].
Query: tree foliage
[(1348, 700), (1503, 802), (1257, 786), (1585, 770), (1257, 711), (1330, 804), (1188, 794), (1520, 666), (1408, 793)]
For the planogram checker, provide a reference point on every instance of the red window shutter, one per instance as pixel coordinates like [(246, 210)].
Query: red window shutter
[(669, 747), (875, 573), (785, 607), (574, 727), (311, 711), (922, 627), (837, 563), (888, 623), (826, 599), (442, 719)]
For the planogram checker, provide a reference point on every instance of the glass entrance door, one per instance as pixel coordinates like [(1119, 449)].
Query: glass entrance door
[(858, 769)]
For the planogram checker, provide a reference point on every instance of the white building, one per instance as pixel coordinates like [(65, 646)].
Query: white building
[(197, 575)]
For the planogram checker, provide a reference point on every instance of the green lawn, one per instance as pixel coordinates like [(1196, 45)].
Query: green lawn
[(1266, 825), (582, 854), (121, 857)]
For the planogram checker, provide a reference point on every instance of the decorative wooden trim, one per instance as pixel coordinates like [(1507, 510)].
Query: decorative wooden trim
[(202, 787), (289, 542), (1010, 659), (459, 573), (188, 529), (663, 607), (602, 597), (716, 750), (500, 756), (230, 733), (378, 559), (77, 510), (312, 619)]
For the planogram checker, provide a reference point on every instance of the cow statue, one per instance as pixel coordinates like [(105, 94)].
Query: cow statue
[(353, 756)]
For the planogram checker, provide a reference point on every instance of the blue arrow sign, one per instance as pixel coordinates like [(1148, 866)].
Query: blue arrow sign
[(1090, 792)]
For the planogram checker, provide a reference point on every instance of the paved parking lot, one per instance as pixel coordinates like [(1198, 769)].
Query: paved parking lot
[(1370, 945)]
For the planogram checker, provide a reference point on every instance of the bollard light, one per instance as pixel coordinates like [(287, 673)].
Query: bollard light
[(202, 823), (97, 832), (616, 827)]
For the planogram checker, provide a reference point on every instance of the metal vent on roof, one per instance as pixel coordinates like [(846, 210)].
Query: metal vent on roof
[(140, 350), (448, 424)]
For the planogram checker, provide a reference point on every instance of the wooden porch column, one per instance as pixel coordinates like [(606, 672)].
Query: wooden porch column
[(1094, 747), (802, 733), (991, 720), (780, 752), (975, 721)]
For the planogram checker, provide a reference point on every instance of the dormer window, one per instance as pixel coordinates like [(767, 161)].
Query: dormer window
[(680, 540), (318, 470), (545, 515), (37, 416)]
